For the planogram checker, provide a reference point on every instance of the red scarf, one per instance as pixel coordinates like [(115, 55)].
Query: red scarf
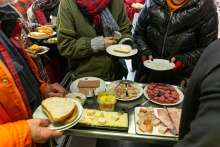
[(40, 16), (130, 2), (93, 8)]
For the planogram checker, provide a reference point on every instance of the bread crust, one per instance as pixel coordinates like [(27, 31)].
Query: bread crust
[(59, 120), (72, 117)]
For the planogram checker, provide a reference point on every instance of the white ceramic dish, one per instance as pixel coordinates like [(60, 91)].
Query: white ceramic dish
[(44, 51), (77, 96), (181, 97), (155, 131), (112, 86), (51, 40), (40, 38), (74, 85), (38, 114), (159, 64), (110, 50)]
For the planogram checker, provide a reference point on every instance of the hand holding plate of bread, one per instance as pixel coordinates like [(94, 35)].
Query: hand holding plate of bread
[(63, 113), (121, 50)]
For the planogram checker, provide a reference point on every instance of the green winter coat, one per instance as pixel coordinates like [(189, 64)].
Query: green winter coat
[(74, 41)]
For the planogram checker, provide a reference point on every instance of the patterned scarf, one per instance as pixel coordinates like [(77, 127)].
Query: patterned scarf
[(174, 5), (93, 8), (108, 23)]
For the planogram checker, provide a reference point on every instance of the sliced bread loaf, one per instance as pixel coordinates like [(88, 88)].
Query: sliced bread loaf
[(58, 109)]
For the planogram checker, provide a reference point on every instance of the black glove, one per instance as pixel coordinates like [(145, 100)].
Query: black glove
[(146, 52)]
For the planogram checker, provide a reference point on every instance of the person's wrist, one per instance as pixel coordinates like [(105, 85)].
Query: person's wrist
[(146, 52), (97, 44)]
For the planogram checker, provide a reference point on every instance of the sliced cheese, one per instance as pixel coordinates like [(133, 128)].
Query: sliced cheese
[(104, 119)]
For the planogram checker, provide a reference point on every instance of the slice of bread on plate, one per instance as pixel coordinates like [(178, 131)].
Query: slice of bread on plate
[(59, 110), (38, 34), (122, 50)]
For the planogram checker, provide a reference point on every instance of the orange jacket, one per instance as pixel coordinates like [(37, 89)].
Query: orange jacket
[(14, 130)]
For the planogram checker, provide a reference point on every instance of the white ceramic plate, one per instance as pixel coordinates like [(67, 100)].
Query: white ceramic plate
[(110, 50), (159, 64), (51, 40), (40, 38), (112, 86), (74, 85), (181, 97), (38, 114), (155, 131), (44, 50)]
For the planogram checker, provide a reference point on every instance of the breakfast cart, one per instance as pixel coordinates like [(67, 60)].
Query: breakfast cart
[(129, 134)]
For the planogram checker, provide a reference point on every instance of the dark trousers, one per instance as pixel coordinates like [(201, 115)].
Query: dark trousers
[(145, 75)]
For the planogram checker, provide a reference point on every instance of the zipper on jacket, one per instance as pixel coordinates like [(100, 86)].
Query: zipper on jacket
[(166, 34)]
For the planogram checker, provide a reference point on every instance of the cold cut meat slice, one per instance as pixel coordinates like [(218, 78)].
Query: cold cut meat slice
[(164, 117), (175, 115)]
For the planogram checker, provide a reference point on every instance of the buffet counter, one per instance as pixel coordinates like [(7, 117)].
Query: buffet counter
[(130, 134)]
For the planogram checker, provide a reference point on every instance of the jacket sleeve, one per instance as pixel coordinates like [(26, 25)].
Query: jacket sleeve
[(70, 43), (16, 134), (207, 33), (139, 32), (204, 130)]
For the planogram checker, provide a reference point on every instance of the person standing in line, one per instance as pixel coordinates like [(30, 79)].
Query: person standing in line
[(86, 29), (21, 88), (176, 30)]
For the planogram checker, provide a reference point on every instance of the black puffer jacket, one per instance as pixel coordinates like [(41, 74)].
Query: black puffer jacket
[(183, 34)]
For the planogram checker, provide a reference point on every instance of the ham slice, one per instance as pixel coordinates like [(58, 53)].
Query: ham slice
[(164, 117), (175, 115), (89, 84), (162, 129), (86, 90)]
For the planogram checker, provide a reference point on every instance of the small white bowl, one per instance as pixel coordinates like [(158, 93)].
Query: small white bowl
[(77, 96)]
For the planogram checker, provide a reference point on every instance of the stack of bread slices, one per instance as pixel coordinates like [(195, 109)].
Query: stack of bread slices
[(60, 111)]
